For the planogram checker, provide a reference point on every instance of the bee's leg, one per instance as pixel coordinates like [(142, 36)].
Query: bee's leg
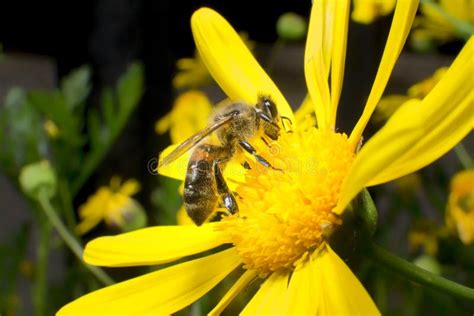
[(266, 142), (270, 128), (228, 199), (251, 150)]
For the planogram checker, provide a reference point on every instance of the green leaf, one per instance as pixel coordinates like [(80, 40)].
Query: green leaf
[(368, 211), (94, 127), (128, 92), (108, 106), (130, 87), (24, 140), (76, 86), (52, 105)]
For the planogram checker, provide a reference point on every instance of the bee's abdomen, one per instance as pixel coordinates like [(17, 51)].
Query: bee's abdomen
[(200, 198)]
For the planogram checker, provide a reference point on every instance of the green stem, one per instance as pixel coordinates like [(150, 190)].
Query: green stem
[(463, 156), (70, 240), (418, 275), (66, 202), (464, 29), (92, 161), (41, 285)]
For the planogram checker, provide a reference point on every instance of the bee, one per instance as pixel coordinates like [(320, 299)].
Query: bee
[(205, 188)]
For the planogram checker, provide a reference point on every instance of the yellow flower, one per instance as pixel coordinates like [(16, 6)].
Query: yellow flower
[(113, 204), (367, 11), (280, 233), (51, 129), (422, 88), (189, 114), (433, 25), (192, 72), (390, 104), (424, 236), (460, 209)]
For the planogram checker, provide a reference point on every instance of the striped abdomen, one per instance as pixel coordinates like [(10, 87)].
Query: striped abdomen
[(200, 192)]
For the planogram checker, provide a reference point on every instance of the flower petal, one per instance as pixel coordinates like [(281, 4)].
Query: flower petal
[(158, 293), (154, 245), (315, 70), (269, 299), (341, 21), (178, 168), (434, 144), (242, 282), (231, 63), (395, 138), (339, 291), (402, 20), (130, 187), (88, 223), (448, 118), (302, 291), (418, 133)]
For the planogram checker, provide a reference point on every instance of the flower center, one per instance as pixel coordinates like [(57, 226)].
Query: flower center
[(284, 214)]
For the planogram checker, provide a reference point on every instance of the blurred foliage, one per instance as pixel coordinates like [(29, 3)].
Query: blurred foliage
[(79, 145), (55, 140), (12, 255)]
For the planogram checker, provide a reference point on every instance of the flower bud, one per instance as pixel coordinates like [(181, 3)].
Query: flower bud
[(38, 179), (291, 27)]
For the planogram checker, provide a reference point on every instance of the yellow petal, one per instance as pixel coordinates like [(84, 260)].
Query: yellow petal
[(304, 109), (395, 138), (130, 187), (163, 124), (328, 29), (269, 300), (447, 113), (418, 133), (402, 20), (153, 245), (314, 65), (341, 19), (434, 144), (231, 63), (177, 169), (158, 293), (302, 291), (367, 11), (339, 292), (239, 285), (88, 223)]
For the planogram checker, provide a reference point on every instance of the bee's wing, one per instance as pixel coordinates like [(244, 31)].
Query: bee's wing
[(193, 141)]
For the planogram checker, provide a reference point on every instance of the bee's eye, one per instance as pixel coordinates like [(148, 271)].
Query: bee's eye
[(269, 107)]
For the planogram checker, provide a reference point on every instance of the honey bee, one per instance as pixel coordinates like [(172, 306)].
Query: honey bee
[(205, 188)]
